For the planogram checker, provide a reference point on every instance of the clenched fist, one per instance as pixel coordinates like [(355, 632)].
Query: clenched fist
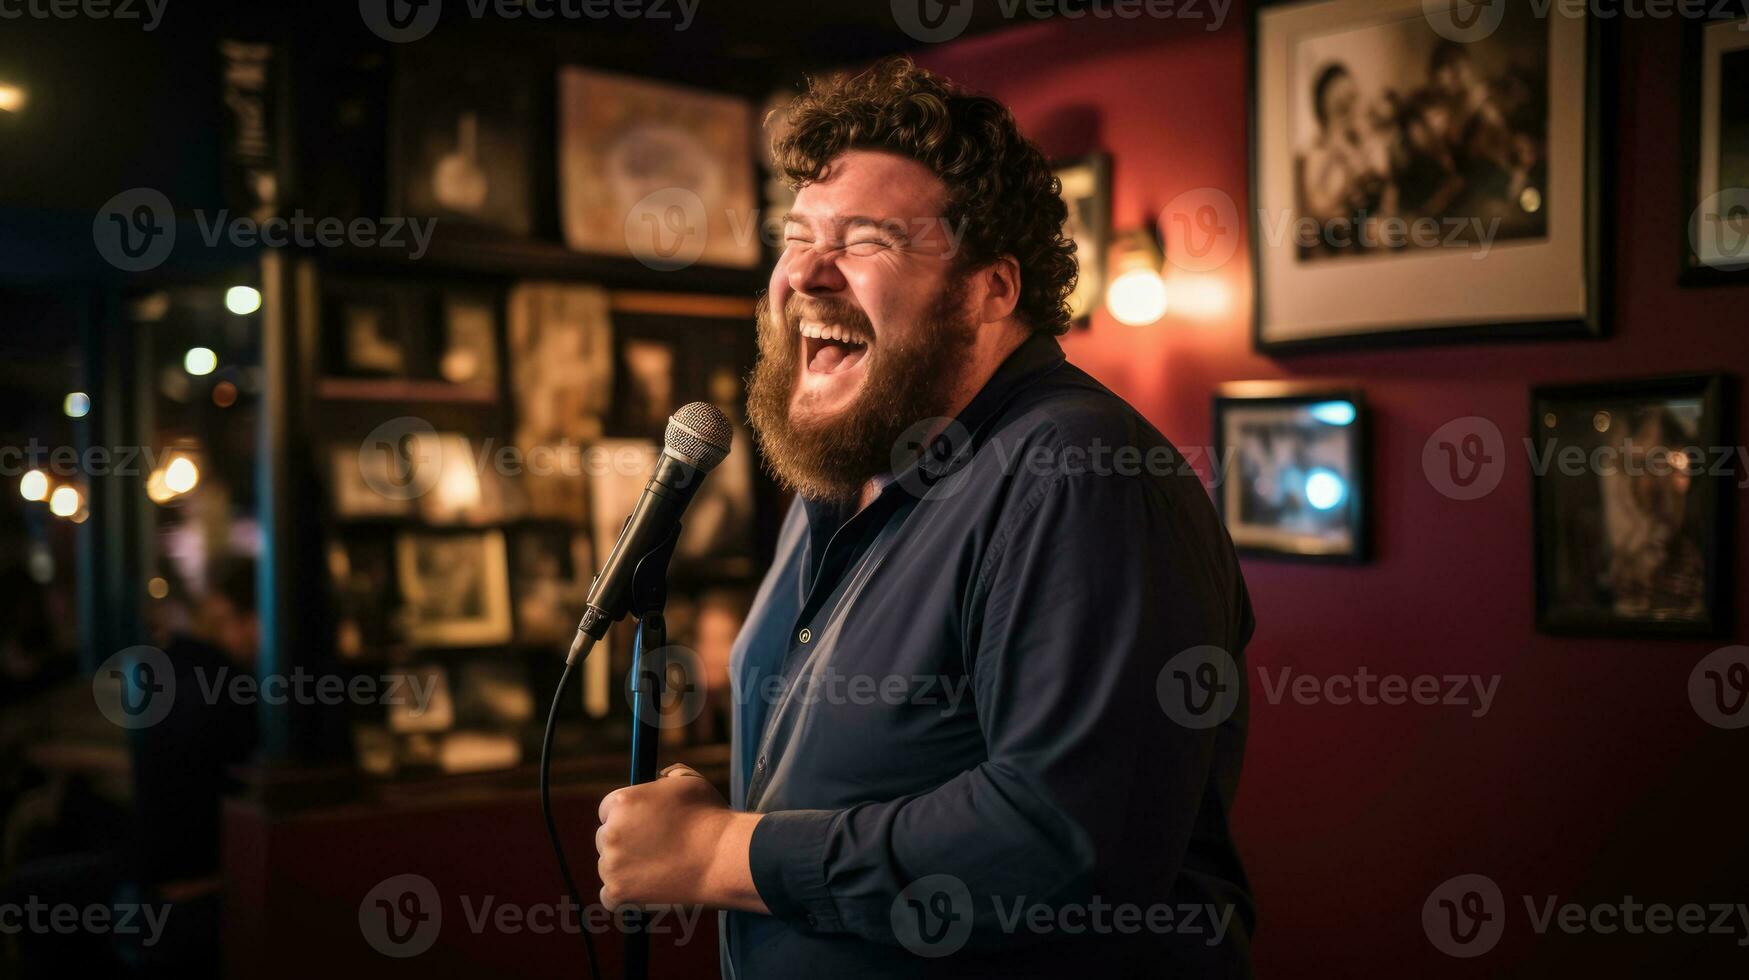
[(674, 841)]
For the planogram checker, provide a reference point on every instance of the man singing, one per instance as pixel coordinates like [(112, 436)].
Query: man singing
[(962, 744)]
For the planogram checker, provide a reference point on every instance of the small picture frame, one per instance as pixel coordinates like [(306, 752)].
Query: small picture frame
[(1086, 191), (1292, 475), (554, 566), (1632, 510), (461, 136), (368, 332), (1715, 151), (470, 341), (456, 588)]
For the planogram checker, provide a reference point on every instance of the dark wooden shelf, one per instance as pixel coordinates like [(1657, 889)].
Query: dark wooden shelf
[(402, 390), (480, 252)]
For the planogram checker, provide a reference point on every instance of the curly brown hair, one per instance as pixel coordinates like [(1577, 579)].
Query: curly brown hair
[(1000, 189)]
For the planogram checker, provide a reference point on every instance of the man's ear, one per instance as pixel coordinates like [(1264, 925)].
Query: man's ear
[(1001, 281)]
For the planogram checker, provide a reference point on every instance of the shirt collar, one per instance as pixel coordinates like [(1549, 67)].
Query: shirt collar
[(1036, 356)]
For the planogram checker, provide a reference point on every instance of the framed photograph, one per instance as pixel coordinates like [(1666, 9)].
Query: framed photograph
[(1293, 478), (425, 705), (470, 337), (362, 570), (494, 694), (658, 172), (554, 566), (676, 349), (460, 128), (561, 380), (456, 588), (1715, 225), (368, 480), (369, 332), (1424, 171), (1087, 192), (456, 481), (1633, 513)]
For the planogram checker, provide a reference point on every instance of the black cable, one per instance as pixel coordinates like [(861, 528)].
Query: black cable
[(546, 809)]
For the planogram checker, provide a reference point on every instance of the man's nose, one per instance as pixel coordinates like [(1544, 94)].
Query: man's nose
[(814, 272)]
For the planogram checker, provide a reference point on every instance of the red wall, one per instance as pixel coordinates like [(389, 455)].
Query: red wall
[(1591, 778)]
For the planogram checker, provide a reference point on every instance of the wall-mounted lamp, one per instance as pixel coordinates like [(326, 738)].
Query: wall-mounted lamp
[(13, 97), (1137, 294)]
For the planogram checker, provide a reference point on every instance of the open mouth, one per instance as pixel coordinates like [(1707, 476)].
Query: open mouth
[(828, 349)]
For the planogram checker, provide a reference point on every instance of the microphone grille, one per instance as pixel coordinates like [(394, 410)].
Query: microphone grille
[(699, 434)]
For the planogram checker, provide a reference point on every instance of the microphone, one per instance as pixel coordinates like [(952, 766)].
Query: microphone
[(697, 439)]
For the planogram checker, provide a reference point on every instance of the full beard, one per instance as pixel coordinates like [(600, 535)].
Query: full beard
[(833, 456)]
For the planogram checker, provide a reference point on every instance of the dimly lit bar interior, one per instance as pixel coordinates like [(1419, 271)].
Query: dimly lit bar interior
[(928, 488)]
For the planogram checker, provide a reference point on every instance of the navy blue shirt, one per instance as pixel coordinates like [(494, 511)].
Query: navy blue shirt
[(957, 708)]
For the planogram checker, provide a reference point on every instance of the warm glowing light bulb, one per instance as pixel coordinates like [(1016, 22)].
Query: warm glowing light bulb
[(1137, 297), (181, 475), (64, 502), (199, 361), (12, 97), (33, 485), (242, 300)]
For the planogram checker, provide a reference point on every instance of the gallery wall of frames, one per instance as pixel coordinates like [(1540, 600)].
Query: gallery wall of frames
[(1453, 332), (483, 417)]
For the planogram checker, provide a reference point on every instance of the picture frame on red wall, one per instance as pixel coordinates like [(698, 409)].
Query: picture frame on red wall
[(1715, 152), (1425, 172), (1633, 505), (1293, 469)]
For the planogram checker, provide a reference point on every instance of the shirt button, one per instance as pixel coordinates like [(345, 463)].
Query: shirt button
[(805, 635), (812, 921), (760, 765)]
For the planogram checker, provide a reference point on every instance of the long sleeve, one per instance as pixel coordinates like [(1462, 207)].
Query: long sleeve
[(1091, 791)]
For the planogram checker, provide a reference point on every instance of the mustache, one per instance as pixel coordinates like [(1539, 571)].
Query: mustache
[(837, 312)]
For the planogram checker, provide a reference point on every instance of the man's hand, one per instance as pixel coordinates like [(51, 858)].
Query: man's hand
[(674, 841)]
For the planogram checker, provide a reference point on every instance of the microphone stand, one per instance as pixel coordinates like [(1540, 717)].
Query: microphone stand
[(649, 675)]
